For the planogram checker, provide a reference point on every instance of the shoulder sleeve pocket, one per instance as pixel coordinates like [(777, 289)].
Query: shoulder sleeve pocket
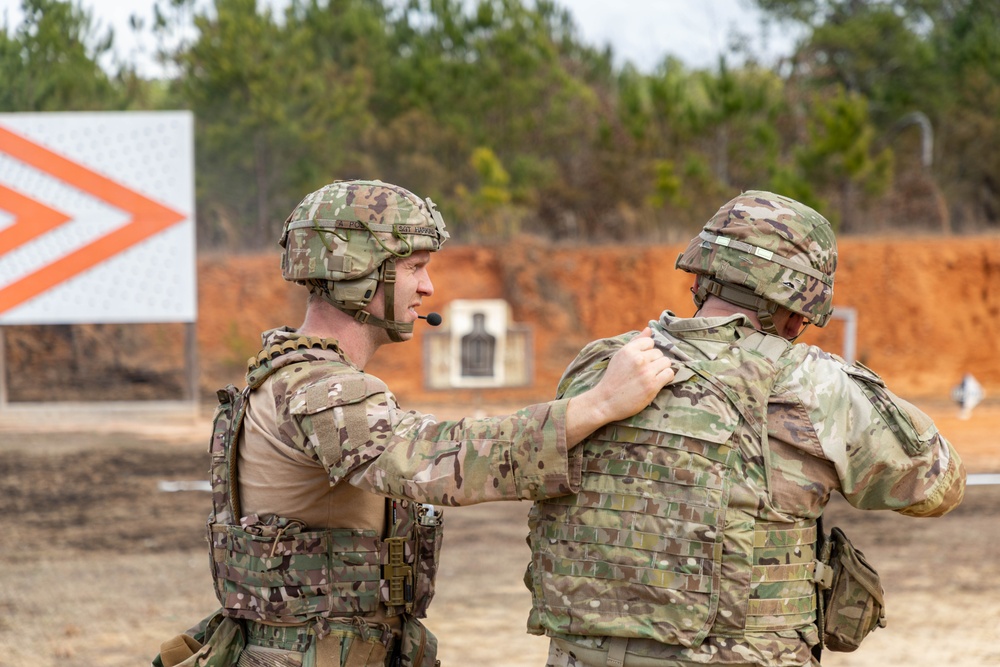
[(334, 413), (911, 427)]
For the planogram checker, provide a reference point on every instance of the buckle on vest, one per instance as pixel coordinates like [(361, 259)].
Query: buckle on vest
[(398, 574), (823, 576)]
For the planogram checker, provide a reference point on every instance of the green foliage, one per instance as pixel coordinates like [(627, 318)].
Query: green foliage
[(874, 50), (903, 56), (499, 111), (840, 152), (50, 61), (967, 119), (489, 206)]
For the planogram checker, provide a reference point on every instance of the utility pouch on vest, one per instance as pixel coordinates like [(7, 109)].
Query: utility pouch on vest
[(417, 647), (429, 533), (851, 599), (215, 642)]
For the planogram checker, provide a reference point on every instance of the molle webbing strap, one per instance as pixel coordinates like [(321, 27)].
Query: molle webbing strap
[(363, 653), (784, 567), (766, 255), (278, 573), (231, 458), (752, 406), (225, 424), (616, 651)]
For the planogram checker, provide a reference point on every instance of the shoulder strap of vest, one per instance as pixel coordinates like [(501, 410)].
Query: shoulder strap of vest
[(228, 421), (263, 364), (770, 347), (226, 425)]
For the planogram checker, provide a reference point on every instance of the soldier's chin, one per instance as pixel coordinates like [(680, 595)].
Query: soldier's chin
[(405, 336)]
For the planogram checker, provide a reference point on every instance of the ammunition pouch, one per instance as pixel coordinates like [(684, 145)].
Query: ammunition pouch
[(320, 643), (333, 643), (215, 642), (417, 647), (851, 599)]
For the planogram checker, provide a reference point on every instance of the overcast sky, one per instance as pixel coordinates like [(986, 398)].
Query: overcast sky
[(641, 31)]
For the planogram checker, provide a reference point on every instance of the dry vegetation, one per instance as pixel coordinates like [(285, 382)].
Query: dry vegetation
[(99, 566)]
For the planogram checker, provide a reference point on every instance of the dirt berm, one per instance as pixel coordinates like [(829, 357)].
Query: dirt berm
[(927, 312)]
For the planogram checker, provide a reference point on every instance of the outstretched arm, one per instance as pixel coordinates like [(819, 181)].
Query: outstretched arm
[(522, 455), (634, 376)]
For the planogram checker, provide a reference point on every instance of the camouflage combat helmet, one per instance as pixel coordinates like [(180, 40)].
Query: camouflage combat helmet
[(343, 239), (762, 251)]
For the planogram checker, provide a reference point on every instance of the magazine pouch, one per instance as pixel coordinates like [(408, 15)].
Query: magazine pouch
[(851, 599)]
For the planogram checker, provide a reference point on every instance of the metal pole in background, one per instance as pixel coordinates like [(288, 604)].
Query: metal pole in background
[(3, 371), (191, 357), (850, 318)]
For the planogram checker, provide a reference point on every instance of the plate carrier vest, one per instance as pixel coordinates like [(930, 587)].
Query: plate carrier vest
[(666, 539), (280, 572)]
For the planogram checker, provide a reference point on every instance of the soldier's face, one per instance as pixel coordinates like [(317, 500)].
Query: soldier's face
[(413, 283)]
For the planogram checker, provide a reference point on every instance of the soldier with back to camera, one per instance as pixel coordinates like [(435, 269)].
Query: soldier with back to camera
[(693, 540), (324, 545)]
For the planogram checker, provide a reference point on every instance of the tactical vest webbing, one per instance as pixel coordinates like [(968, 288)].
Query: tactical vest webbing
[(664, 541), (278, 571)]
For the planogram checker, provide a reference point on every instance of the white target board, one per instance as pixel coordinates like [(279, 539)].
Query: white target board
[(97, 218)]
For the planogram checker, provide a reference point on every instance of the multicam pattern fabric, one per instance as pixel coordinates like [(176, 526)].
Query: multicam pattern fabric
[(779, 649), (774, 246), (412, 455), (830, 427), (853, 601), (275, 571), (346, 230), (273, 568)]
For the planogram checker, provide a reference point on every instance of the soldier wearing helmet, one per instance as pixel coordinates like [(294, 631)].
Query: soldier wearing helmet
[(326, 520), (694, 538)]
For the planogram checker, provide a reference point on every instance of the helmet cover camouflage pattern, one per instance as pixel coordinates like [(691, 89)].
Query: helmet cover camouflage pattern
[(782, 250), (348, 229)]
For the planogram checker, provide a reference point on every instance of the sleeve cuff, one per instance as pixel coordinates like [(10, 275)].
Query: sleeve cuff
[(548, 469)]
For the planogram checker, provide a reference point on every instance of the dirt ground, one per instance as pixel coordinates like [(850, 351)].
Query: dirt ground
[(99, 565)]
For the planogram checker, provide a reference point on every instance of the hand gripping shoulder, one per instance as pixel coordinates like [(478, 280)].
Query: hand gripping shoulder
[(336, 411)]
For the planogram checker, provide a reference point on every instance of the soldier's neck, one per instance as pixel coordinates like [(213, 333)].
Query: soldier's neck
[(359, 342)]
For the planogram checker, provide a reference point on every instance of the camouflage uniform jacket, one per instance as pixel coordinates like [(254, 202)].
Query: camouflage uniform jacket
[(321, 445), (688, 517), (412, 455)]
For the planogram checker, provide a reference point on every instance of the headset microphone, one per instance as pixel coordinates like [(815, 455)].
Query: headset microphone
[(433, 319)]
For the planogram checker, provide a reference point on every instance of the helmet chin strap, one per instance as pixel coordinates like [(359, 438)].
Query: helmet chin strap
[(739, 296), (387, 276)]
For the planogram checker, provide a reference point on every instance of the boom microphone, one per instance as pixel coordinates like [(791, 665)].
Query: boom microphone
[(433, 319)]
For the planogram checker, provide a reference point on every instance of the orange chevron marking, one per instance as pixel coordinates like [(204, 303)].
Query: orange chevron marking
[(31, 219), (148, 218)]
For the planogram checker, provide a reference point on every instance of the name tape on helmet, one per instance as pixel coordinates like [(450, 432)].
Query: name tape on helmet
[(766, 255), (362, 226)]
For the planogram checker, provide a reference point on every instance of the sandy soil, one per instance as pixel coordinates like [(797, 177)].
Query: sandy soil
[(99, 566)]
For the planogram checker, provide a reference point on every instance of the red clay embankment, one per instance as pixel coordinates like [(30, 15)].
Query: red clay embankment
[(927, 308)]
